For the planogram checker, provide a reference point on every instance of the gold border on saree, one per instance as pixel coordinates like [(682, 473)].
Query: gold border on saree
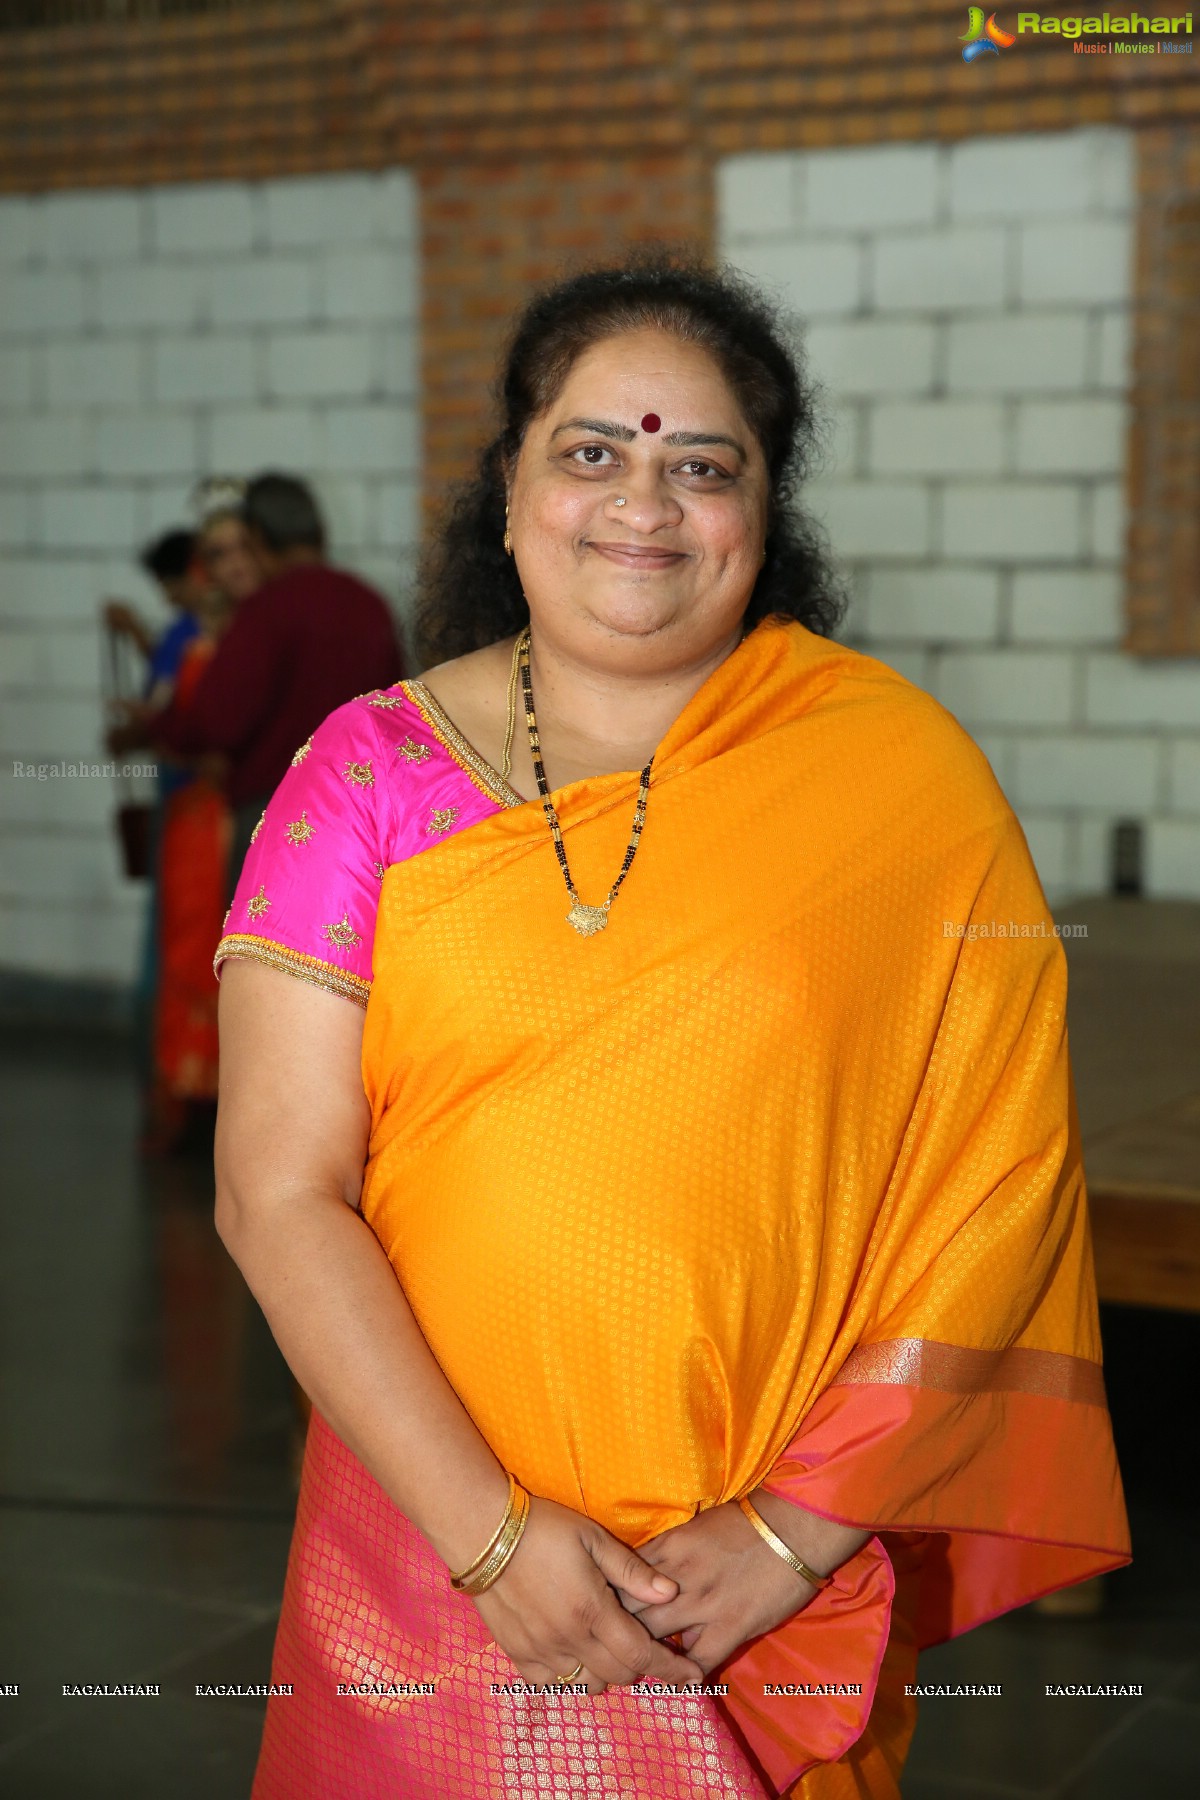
[(957, 1369), (464, 753)]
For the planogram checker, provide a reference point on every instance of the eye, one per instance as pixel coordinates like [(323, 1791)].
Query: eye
[(591, 455), (697, 466)]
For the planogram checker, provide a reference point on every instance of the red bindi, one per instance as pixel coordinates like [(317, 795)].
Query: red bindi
[(651, 422)]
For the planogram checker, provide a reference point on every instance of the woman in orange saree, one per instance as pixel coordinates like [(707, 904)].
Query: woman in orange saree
[(766, 1186)]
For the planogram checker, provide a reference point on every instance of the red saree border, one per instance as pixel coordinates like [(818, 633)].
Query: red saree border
[(954, 1369), (844, 1629)]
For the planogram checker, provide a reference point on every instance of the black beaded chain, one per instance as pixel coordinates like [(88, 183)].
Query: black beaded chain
[(586, 919)]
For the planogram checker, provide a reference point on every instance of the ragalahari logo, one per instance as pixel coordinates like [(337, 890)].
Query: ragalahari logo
[(984, 39)]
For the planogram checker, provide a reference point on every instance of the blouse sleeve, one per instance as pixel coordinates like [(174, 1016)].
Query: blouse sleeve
[(308, 894)]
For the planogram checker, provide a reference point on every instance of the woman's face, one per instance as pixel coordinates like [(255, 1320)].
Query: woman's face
[(225, 549), (665, 578)]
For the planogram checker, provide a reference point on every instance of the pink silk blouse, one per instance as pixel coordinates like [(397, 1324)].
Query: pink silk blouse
[(308, 895)]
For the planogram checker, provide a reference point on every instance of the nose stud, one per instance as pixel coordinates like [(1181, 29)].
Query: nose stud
[(620, 501)]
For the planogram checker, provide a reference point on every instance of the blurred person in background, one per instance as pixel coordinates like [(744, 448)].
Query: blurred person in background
[(193, 858), (223, 542), (170, 561), (193, 828), (309, 638)]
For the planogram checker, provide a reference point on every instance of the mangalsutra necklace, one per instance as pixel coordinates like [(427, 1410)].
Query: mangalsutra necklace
[(587, 920)]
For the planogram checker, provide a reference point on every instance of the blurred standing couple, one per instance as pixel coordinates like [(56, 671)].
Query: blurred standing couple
[(268, 639)]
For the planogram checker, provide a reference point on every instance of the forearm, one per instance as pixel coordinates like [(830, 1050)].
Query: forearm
[(344, 1326), (821, 1543)]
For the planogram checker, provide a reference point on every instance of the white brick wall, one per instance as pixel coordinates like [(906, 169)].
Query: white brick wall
[(937, 437), (1032, 522), (959, 269), (202, 217), (967, 310), (1073, 259), (872, 357), (952, 604), (1017, 353), (1183, 794), (820, 276), (1066, 606), (864, 190), (148, 339), (91, 228), (1005, 687)]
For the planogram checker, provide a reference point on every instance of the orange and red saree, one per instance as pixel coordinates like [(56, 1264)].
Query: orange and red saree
[(775, 1179)]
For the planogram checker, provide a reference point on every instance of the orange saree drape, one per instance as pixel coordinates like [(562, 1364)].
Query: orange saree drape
[(777, 1179)]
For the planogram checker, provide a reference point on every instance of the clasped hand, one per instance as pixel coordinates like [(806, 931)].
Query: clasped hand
[(573, 1593), (732, 1586)]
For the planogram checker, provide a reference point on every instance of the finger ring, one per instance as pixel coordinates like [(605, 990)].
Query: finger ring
[(562, 1680)]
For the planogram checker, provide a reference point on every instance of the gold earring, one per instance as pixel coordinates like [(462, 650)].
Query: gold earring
[(507, 532)]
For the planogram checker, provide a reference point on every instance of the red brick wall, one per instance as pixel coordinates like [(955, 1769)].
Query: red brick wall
[(490, 230), (1163, 589), (540, 130)]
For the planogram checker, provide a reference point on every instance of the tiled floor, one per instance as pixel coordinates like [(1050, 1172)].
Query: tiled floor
[(145, 1421), (145, 1499), (1026, 1743), (1095, 1748)]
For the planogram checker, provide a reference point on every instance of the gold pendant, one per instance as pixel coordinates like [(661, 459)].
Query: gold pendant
[(587, 920)]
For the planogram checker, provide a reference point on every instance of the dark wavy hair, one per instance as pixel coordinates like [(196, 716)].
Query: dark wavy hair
[(469, 593)]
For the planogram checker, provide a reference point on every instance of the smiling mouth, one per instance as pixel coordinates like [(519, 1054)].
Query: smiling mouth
[(639, 555)]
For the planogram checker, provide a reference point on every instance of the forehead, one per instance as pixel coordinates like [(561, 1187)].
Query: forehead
[(224, 530), (648, 371)]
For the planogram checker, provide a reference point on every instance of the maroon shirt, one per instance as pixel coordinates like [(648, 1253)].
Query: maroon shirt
[(309, 640)]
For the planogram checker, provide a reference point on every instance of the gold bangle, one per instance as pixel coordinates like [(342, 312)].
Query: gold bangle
[(781, 1549), (499, 1559), (465, 1574), (492, 1559)]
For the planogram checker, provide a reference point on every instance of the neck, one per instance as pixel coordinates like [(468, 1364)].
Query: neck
[(295, 557), (594, 713)]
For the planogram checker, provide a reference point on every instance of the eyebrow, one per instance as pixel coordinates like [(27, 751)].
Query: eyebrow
[(625, 434)]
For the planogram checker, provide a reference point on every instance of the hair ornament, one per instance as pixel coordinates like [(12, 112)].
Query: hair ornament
[(217, 494)]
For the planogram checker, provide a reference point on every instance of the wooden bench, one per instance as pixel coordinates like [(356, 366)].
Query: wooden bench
[(1133, 1014)]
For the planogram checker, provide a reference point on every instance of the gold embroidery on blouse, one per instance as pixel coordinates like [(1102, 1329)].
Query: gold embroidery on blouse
[(385, 700), (380, 871), (226, 919), (258, 905), (257, 828), (465, 755), (359, 774), (294, 962), (342, 934), (441, 818), (301, 753), (299, 830), (413, 752)]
